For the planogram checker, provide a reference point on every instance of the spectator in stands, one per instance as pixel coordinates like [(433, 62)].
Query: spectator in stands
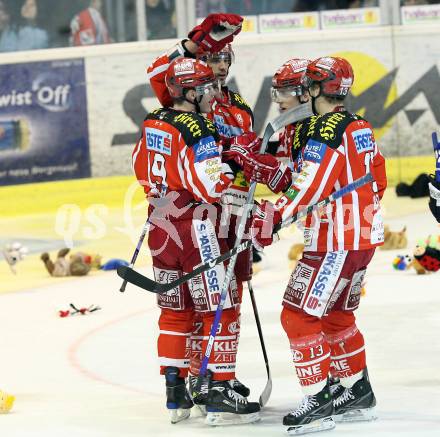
[(29, 35), (161, 19), (89, 27), (8, 34)]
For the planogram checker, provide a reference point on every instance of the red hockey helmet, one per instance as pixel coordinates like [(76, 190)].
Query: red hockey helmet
[(289, 78), (334, 75), (188, 73), (225, 53)]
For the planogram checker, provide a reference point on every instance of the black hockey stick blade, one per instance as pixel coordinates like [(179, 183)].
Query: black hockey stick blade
[(135, 278), (148, 284)]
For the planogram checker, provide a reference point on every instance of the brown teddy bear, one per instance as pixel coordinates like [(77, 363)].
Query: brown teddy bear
[(394, 240), (295, 254), (78, 264)]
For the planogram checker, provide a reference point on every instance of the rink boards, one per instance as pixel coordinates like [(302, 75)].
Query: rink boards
[(104, 94)]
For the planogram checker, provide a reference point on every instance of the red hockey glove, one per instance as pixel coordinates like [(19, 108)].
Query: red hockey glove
[(242, 147), (265, 218), (215, 31), (266, 169)]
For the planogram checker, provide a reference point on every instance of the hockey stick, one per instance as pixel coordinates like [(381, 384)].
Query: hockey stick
[(291, 116), (155, 287), (265, 395), (136, 253), (436, 145)]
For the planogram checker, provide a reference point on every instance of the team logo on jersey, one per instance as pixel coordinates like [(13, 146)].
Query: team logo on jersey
[(314, 151), (298, 285), (158, 140), (206, 148), (297, 356), (363, 138)]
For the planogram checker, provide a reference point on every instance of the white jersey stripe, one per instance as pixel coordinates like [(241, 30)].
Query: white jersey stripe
[(180, 166), (351, 354), (164, 361), (189, 178), (157, 70), (180, 334), (331, 227), (135, 153), (340, 219), (217, 337), (355, 201)]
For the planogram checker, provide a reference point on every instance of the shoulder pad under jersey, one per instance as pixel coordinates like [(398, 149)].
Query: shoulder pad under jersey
[(300, 135), (193, 127), (328, 128), (239, 102)]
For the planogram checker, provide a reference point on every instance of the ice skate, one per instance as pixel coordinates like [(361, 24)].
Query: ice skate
[(178, 400), (240, 388), (312, 415), (225, 406), (6, 402), (200, 396), (356, 404), (336, 389)]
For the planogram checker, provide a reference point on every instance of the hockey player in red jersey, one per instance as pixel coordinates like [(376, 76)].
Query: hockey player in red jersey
[(273, 167), (178, 161), (335, 148), (210, 42)]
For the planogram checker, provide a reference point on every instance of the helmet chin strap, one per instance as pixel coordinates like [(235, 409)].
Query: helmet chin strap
[(315, 111), (196, 102)]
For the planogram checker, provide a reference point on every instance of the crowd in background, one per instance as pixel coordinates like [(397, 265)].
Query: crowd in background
[(39, 24)]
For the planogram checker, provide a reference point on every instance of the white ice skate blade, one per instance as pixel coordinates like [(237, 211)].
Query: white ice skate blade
[(201, 409), (179, 414), (318, 425), (361, 415), (224, 419)]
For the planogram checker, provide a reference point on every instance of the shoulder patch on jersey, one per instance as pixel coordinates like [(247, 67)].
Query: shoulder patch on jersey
[(314, 151), (206, 148), (158, 140), (363, 139), (302, 132), (210, 125), (189, 121), (236, 98), (329, 128), (239, 102)]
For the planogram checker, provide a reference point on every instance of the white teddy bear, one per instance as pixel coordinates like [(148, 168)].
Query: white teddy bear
[(14, 253)]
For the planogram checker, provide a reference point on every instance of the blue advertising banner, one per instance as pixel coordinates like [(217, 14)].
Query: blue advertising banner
[(43, 122)]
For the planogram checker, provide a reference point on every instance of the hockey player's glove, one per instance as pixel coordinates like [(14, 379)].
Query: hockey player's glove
[(434, 201), (242, 147), (266, 169), (215, 31), (265, 218)]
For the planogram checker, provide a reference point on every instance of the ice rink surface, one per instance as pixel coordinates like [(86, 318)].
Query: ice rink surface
[(97, 375)]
